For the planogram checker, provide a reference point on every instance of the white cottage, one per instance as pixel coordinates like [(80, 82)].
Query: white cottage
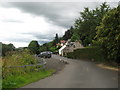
[(69, 47)]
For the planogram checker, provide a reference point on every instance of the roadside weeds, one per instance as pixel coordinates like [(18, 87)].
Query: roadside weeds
[(108, 67)]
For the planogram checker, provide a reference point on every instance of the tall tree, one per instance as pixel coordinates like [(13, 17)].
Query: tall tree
[(108, 34), (56, 40), (34, 47), (86, 24), (75, 37), (68, 34)]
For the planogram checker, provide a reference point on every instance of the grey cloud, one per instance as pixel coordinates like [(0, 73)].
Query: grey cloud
[(20, 39), (12, 20), (44, 37), (40, 37), (55, 12), (42, 42), (62, 14)]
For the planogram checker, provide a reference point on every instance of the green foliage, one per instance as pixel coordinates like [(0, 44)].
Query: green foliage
[(100, 26), (17, 59), (75, 37), (0, 49), (22, 80), (88, 53), (68, 34), (34, 47), (7, 48), (108, 34), (56, 40), (49, 47), (53, 49), (46, 46), (18, 76), (42, 48), (85, 26)]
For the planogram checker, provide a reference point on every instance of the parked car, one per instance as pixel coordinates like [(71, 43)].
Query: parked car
[(46, 54), (56, 52)]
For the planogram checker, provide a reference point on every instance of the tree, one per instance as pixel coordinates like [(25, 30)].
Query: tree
[(86, 24), (68, 34), (56, 40), (47, 46), (34, 47), (75, 37), (108, 34), (11, 46), (7, 48)]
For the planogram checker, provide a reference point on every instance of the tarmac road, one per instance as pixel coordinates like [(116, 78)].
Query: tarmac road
[(79, 74)]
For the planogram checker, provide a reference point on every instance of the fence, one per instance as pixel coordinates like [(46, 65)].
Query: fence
[(22, 69), (24, 66)]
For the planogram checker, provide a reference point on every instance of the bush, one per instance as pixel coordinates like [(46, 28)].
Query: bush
[(53, 49), (34, 47), (91, 53), (17, 59), (6, 48)]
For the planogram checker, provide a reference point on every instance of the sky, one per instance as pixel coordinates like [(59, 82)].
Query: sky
[(22, 22)]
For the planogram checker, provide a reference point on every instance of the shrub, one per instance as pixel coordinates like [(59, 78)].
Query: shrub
[(91, 53), (34, 47), (17, 59)]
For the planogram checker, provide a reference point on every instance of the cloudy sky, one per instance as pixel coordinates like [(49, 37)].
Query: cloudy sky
[(21, 22)]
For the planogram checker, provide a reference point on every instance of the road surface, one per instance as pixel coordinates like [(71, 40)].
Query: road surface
[(79, 74)]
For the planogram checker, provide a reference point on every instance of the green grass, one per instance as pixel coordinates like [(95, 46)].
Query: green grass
[(22, 80), (88, 53), (18, 77)]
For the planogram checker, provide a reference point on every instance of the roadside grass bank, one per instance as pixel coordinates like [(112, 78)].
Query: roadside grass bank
[(92, 53), (22, 80), (17, 77)]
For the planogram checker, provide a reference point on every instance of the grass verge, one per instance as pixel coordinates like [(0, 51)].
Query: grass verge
[(22, 80)]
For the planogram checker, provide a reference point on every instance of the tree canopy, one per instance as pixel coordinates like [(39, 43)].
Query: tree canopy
[(68, 34), (99, 27), (56, 40), (108, 34), (86, 24), (7, 48), (34, 47)]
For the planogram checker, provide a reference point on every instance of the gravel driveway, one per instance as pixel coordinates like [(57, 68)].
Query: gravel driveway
[(53, 63)]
